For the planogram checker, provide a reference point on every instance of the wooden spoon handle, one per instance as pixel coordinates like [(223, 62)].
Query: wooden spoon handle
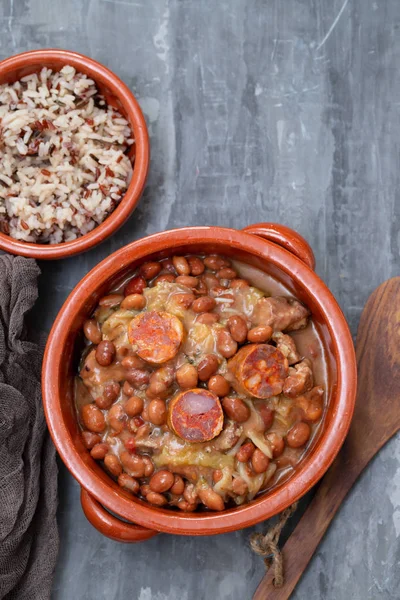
[(311, 528)]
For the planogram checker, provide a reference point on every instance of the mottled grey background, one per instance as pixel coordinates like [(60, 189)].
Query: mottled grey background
[(281, 110)]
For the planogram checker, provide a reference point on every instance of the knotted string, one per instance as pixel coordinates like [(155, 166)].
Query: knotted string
[(266, 545)]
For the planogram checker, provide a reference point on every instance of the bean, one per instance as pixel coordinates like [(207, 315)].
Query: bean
[(93, 418), (298, 435), (133, 464), (110, 393), (135, 286), (157, 412), (178, 486), (239, 284), (226, 273), (202, 289), (186, 376), (207, 367), (217, 291), (267, 414), (277, 443), (92, 332), (219, 385), (259, 461), (190, 493), (203, 304), (144, 489), (90, 439), (150, 270), (111, 300), (138, 378), (311, 408), (184, 299), (133, 406), (164, 376), (258, 335), (196, 265), (105, 353), (128, 483), (239, 486), (185, 506), (130, 443), (245, 452), (99, 451), (133, 362), (128, 389), (207, 318), (215, 262), (148, 466), (167, 266), (134, 302), (217, 475), (238, 328), (187, 280), (161, 481), (210, 280), (156, 499), (211, 499), (236, 409), (113, 465), (181, 265), (226, 344), (117, 418), (168, 277)]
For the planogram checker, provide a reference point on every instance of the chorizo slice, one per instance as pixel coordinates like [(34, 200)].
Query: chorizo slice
[(282, 314), (196, 415), (155, 336), (259, 370)]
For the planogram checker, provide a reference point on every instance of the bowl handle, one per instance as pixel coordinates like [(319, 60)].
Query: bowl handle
[(285, 237), (111, 526)]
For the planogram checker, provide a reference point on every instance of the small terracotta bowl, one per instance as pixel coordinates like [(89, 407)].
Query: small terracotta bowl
[(117, 95), (274, 249)]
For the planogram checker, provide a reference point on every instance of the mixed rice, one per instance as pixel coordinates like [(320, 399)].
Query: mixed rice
[(63, 162)]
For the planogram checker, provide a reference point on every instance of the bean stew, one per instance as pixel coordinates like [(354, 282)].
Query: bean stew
[(201, 383)]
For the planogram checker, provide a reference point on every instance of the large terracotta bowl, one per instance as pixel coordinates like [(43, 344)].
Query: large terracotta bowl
[(276, 250), (118, 95)]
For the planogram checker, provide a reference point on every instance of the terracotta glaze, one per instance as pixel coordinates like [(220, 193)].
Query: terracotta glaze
[(274, 249), (119, 96)]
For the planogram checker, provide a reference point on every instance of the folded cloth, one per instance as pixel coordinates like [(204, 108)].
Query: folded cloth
[(28, 470)]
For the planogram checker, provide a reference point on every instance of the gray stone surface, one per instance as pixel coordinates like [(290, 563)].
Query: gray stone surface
[(282, 110)]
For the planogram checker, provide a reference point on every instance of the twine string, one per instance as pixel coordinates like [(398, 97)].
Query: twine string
[(266, 545)]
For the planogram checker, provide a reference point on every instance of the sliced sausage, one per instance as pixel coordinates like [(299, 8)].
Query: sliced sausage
[(259, 370), (155, 336), (196, 415)]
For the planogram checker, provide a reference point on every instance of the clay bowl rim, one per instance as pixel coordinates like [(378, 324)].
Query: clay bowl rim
[(101, 74), (265, 506)]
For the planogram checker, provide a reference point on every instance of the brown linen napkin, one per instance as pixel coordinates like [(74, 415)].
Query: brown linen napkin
[(28, 470)]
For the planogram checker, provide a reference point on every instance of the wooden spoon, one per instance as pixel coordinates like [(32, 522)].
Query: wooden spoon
[(376, 419)]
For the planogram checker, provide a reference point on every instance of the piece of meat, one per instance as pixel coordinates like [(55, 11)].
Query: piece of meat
[(282, 314), (258, 370), (155, 336), (311, 404), (300, 379), (287, 346), (228, 437), (196, 415)]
